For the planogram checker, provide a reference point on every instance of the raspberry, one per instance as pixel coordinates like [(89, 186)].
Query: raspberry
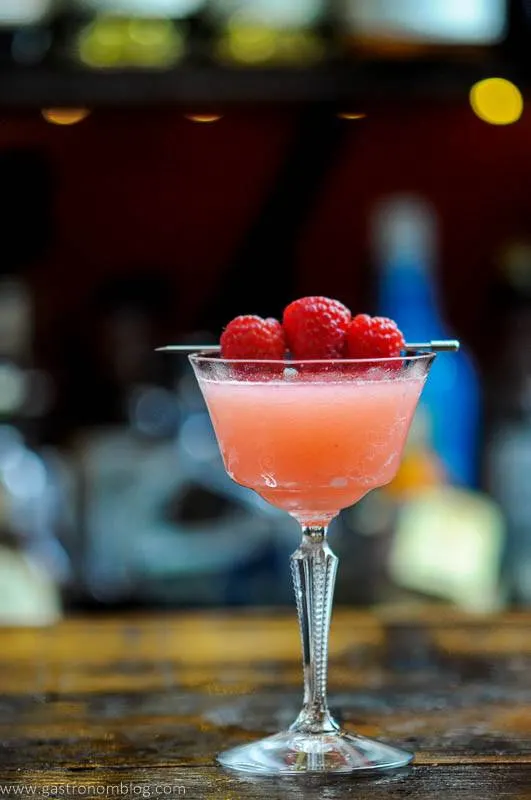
[(253, 337), (374, 337), (315, 327)]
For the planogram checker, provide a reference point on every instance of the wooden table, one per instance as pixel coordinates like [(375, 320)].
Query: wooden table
[(138, 706)]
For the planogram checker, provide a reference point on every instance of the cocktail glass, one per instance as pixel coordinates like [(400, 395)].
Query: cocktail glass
[(312, 437)]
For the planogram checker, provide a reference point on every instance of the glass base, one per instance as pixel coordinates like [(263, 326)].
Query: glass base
[(293, 753)]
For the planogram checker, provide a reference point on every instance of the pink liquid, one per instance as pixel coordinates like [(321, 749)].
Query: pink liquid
[(312, 447)]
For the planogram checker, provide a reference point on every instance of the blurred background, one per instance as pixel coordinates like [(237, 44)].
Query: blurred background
[(167, 164)]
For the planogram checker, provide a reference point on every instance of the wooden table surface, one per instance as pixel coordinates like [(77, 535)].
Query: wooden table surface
[(139, 705)]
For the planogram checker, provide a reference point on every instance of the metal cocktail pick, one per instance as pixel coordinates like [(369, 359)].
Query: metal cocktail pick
[(435, 346)]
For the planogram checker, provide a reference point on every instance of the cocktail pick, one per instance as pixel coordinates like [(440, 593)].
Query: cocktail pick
[(435, 346)]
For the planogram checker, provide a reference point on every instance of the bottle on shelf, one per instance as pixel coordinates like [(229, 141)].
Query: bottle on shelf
[(447, 536), (405, 249)]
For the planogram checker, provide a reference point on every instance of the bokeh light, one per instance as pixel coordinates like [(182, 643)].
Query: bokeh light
[(253, 44), (351, 115), (65, 116), (203, 117), (116, 42), (497, 101)]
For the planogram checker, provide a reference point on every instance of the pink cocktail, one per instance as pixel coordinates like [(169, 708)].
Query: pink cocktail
[(312, 437), (315, 446)]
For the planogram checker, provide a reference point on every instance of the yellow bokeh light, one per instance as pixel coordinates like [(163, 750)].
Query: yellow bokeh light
[(351, 115), (249, 44), (117, 42), (64, 116), (254, 44), (203, 117), (153, 43), (497, 101)]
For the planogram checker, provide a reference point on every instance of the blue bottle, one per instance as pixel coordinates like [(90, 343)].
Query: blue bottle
[(404, 241)]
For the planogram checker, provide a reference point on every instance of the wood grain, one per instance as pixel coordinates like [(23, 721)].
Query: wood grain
[(149, 700)]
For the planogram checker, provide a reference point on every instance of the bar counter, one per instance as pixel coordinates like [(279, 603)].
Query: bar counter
[(140, 704)]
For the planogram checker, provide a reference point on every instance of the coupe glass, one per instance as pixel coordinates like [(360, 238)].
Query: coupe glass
[(312, 437)]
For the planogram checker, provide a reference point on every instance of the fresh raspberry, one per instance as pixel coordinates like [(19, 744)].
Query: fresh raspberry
[(315, 327), (374, 337), (253, 337)]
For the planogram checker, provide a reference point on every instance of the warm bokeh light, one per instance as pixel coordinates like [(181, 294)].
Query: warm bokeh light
[(497, 101), (249, 44), (65, 116), (117, 42), (254, 44), (351, 115), (203, 117)]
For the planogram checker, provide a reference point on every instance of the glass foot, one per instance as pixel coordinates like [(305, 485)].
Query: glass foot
[(293, 753)]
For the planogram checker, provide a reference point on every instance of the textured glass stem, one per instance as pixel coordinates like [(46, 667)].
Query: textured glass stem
[(314, 567)]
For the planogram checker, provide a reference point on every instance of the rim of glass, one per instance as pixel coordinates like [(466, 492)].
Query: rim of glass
[(214, 357)]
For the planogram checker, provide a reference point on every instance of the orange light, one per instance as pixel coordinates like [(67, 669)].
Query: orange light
[(351, 115), (64, 116), (203, 117)]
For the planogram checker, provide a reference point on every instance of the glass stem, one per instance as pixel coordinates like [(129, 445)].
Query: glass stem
[(314, 568)]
